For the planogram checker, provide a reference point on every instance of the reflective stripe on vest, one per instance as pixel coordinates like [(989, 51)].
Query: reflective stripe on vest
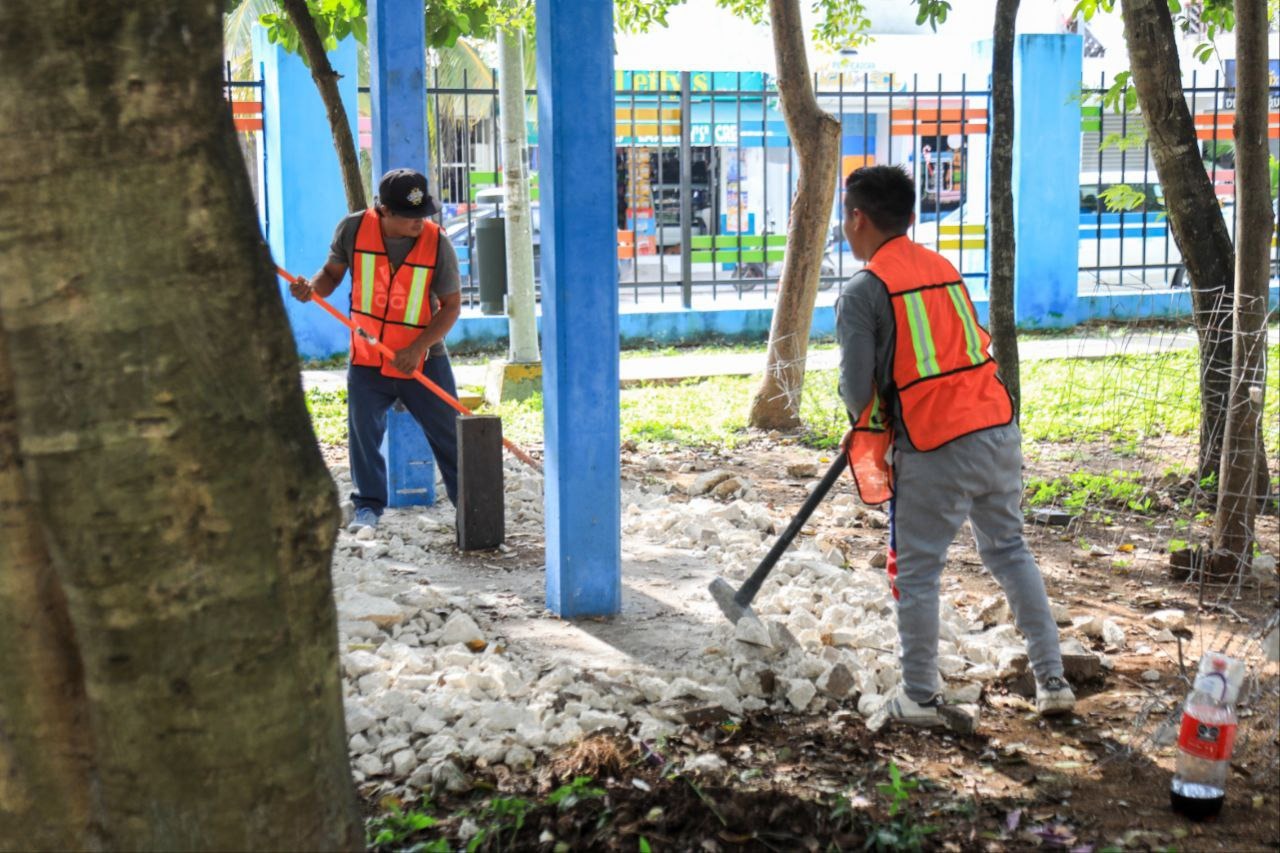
[(392, 308), (943, 375)]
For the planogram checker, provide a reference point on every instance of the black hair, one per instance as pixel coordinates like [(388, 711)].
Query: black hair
[(884, 193)]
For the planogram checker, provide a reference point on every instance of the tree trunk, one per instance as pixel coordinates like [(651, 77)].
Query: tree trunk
[(1194, 214), (170, 677), (1004, 330), (1242, 445), (521, 318), (816, 136), (326, 80), (46, 779)]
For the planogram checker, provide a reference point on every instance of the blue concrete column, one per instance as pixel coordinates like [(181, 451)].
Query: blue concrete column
[(579, 306), (398, 92), (304, 181), (398, 86), (1046, 179)]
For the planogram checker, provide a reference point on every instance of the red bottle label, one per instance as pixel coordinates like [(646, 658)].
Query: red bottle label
[(1212, 741)]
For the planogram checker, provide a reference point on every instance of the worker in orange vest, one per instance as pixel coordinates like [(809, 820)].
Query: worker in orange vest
[(405, 292), (935, 436)]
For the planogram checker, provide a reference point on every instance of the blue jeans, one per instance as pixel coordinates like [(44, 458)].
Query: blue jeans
[(369, 395)]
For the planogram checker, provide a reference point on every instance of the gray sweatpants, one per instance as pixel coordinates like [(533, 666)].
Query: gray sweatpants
[(978, 477)]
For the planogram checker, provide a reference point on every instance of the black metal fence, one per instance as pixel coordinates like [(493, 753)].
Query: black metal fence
[(1125, 239), (706, 171)]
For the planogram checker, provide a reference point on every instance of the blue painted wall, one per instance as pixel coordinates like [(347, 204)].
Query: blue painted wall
[(304, 181), (1046, 197), (579, 307)]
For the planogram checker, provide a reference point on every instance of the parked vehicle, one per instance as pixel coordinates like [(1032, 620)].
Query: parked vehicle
[(461, 233), (1129, 246)]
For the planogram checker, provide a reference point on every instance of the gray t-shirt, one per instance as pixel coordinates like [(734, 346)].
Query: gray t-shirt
[(444, 280)]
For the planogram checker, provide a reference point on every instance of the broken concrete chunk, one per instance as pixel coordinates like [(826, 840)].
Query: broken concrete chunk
[(1171, 619), (461, 628), (800, 693), (1113, 635), (708, 481), (752, 631), (838, 682), (802, 470), (359, 607), (361, 662), (962, 692), (728, 488), (781, 638)]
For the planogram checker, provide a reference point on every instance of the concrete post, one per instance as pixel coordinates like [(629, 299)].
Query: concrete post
[(1046, 179), (579, 306), (304, 181), (398, 86), (398, 95)]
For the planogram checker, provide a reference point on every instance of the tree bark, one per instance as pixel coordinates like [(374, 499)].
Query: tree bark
[(46, 778), (521, 318), (1242, 445), (816, 136), (170, 677), (326, 80), (1004, 330), (1194, 214)]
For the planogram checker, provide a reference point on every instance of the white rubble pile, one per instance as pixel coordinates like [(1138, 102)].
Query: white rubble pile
[(429, 679)]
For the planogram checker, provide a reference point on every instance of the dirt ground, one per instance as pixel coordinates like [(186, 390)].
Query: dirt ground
[(1093, 781)]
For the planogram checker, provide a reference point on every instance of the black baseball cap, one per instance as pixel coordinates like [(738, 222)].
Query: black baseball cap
[(404, 193)]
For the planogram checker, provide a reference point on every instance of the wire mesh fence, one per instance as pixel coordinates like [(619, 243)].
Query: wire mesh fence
[(1115, 487)]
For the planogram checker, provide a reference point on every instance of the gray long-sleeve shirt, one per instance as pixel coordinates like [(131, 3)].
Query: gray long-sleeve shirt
[(865, 329)]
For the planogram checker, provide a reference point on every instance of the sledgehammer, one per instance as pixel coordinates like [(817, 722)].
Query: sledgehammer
[(736, 604)]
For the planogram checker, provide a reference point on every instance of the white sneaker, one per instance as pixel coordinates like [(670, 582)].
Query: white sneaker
[(1054, 697), (904, 710)]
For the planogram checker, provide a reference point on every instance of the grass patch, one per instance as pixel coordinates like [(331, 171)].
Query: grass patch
[(328, 410), (1121, 400)]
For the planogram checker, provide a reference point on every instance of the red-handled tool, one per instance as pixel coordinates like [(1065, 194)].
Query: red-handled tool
[(387, 352)]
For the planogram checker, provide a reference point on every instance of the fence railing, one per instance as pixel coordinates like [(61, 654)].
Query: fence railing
[(706, 171)]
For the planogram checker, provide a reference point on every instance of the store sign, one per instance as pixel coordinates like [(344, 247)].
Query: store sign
[(699, 81), (725, 134), (1273, 82)]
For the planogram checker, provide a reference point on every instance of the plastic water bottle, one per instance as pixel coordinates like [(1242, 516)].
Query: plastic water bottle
[(1206, 737)]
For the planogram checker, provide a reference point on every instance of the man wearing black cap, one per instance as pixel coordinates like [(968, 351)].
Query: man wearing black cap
[(404, 293)]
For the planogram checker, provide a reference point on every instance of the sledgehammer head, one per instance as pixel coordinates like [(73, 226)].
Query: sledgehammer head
[(749, 628), (725, 597)]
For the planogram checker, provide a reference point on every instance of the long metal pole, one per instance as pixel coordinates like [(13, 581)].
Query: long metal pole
[(686, 191)]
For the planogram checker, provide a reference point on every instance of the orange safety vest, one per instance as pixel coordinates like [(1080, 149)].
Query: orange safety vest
[(943, 375), (393, 308)]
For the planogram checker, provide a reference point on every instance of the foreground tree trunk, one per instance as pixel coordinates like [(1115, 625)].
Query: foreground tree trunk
[(816, 136), (170, 674), (1242, 446), (1194, 214), (326, 80), (1004, 330), (519, 229)]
